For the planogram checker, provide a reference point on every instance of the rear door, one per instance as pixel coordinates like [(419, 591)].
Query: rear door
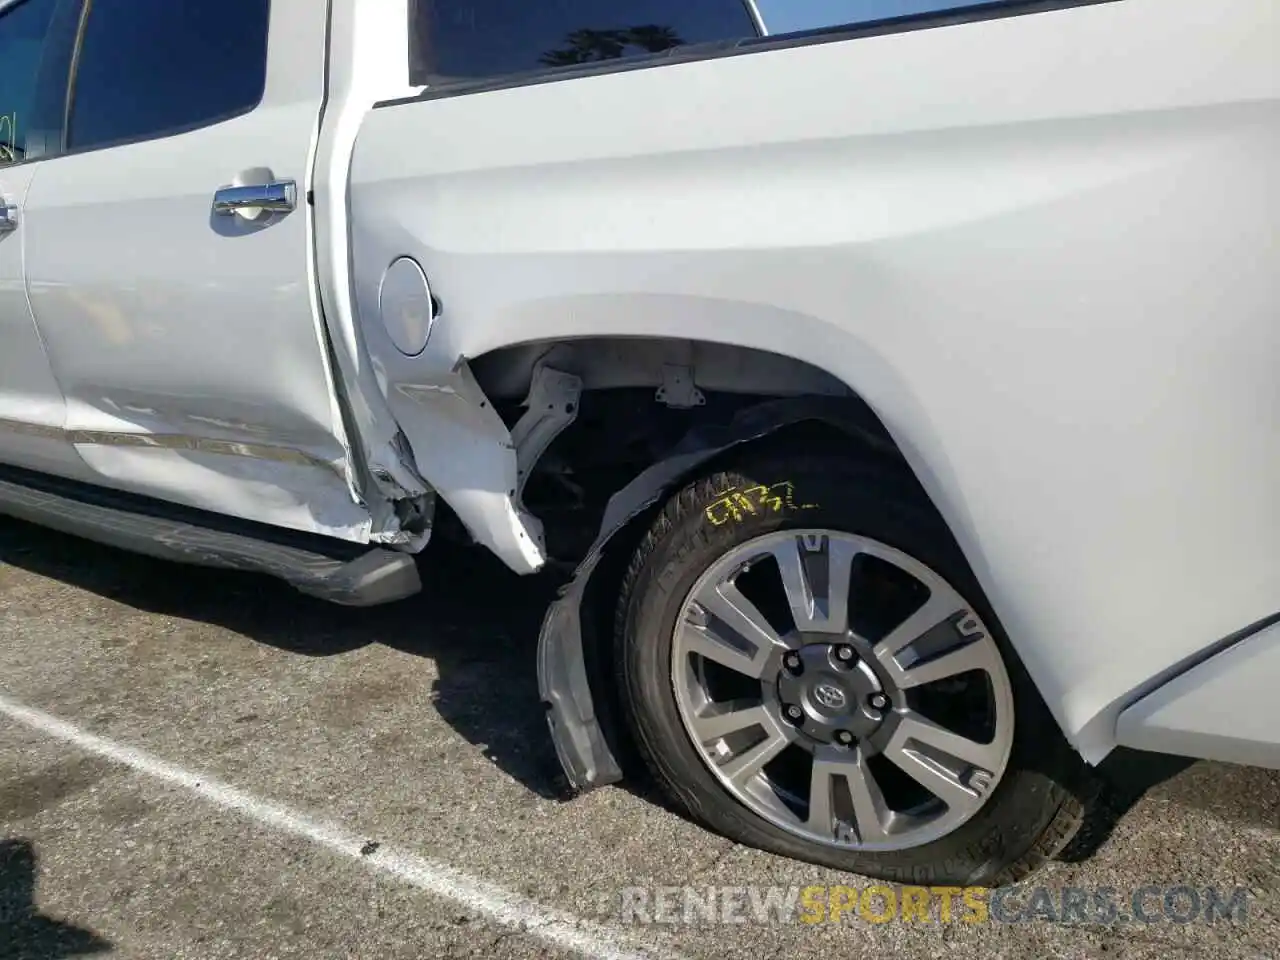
[(168, 256), (31, 405)]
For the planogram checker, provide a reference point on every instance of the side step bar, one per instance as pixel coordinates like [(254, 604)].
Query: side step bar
[(346, 573)]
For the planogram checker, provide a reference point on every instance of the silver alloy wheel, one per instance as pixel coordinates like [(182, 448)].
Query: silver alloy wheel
[(840, 698)]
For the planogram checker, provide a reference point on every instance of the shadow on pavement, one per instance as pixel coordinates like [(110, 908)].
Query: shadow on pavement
[(1124, 778), (474, 618), (24, 934)]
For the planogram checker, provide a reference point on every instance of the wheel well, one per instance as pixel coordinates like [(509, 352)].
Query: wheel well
[(604, 363), (589, 415), (595, 590)]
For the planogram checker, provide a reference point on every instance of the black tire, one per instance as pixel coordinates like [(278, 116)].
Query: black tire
[(1033, 811)]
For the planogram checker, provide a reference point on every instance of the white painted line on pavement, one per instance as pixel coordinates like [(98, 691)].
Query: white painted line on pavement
[(505, 907)]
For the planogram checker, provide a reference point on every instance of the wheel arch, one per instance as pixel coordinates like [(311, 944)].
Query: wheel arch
[(609, 362), (678, 373), (754, 351)]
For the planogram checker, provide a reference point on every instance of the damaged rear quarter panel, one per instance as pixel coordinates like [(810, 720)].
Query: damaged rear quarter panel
[(928, 246)]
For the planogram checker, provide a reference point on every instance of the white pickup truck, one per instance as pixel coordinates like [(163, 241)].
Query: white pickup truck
[(895, 379)]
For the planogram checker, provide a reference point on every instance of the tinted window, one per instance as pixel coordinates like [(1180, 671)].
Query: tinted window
[(474, 39), (23, 30), (787, 16), (153, 67)]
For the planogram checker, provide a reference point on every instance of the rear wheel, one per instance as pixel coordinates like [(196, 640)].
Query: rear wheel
[(809, 667)]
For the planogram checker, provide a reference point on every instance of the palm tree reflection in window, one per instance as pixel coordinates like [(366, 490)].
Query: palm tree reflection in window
[(592, 46)]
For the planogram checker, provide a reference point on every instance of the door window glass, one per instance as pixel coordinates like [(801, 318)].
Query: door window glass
[(479, 39), (149, 68), (23, 29)]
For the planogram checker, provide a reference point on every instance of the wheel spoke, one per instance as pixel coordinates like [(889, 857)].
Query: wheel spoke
[(726, 603), (751, 761), (869, 809), (976, 655), (933, 778), (943, 603), (828, 613), (708, 643), (938, 738), (822, 784), (713, 726), (913, 732)]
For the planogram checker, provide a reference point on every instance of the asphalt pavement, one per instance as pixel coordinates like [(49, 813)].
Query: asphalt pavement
[(202, 764)]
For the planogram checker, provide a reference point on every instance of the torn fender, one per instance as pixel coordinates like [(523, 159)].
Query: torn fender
[(563, 677), (464, 450)]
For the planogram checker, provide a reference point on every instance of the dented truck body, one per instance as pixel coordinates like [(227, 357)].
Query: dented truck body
[(1044, 282)]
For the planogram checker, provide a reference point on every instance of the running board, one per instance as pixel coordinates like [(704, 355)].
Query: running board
[(340, 572)]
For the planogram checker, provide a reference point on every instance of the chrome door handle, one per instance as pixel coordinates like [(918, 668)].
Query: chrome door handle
[(8, 217), (281, 196)]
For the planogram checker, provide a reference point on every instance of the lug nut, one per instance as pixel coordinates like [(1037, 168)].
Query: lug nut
[(844, 737), (879, 701), (792, 663), (844, 654), (793, 712)]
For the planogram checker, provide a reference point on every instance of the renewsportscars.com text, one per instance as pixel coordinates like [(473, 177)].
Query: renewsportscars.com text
[(878, 903)]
